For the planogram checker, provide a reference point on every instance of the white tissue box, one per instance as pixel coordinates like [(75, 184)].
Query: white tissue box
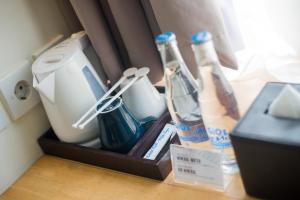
[(267, 149)]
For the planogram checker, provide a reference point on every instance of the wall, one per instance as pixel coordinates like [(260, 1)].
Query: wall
[(284, 17), (270, 26), (26, 25)]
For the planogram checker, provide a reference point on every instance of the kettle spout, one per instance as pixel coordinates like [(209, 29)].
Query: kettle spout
[(46, 87)]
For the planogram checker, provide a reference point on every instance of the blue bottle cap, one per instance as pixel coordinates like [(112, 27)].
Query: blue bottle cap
[(201, 37), (164, 37)]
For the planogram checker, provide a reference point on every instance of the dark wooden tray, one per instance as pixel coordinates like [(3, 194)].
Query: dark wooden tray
[(132, 162)]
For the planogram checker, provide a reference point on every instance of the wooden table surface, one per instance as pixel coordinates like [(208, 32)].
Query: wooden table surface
[(52, 178)]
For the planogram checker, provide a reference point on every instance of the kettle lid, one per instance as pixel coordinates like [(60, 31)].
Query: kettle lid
[(55, 58)]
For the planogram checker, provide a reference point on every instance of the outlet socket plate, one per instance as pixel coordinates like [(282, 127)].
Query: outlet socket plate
[(11, 93)]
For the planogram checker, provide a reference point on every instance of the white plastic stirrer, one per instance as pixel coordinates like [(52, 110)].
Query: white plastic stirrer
[(126, 74)]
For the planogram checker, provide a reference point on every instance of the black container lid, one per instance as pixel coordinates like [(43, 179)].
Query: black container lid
[(257, 124)]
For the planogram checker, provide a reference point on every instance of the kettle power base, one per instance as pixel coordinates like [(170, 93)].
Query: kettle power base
[(132, 162)]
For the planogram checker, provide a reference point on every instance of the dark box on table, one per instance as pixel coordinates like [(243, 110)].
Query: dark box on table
[(132, 162), (267, 149)]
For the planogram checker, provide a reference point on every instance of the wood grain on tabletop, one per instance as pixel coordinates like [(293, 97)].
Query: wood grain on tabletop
[(52, 178), (55, 178)]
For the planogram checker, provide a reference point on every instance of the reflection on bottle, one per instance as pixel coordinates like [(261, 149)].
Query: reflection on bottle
[(181, 91), (219, 106)]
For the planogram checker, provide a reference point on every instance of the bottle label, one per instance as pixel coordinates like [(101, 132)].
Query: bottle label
[(191, 134), (219, 137)]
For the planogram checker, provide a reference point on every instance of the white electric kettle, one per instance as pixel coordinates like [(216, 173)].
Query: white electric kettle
[(68, 85)]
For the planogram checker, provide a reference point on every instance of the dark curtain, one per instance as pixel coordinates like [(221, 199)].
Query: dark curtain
[(122, 31)]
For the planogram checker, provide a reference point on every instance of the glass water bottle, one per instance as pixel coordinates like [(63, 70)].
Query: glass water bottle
[(181, 92), (219, 107)]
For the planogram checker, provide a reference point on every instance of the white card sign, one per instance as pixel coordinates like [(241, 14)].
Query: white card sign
[(193, 165)]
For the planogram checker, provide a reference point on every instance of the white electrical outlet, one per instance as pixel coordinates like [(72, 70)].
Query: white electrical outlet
[(16, 91)]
